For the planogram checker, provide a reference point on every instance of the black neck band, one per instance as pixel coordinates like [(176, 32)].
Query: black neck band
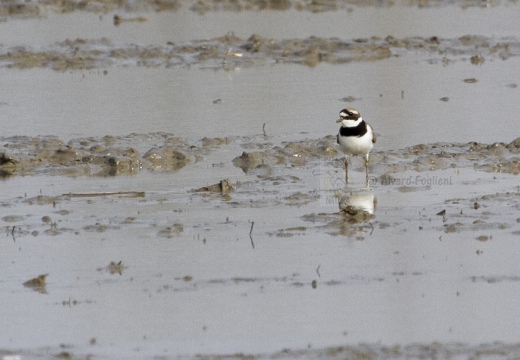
[(357, 131)]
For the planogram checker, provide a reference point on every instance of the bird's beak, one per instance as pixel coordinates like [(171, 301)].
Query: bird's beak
[(339, 120)]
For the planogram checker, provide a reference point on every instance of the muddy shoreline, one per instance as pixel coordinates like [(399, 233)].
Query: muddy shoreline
[(294, 174), (112, 155), (229, 52), (371, 351), (375, 351)]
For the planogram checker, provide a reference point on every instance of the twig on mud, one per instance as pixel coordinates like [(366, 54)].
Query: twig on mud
[(250, 236), (263, 129), (120, 193), (318, 270)]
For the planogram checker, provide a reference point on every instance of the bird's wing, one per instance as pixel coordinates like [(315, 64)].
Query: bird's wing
[(374, 136)]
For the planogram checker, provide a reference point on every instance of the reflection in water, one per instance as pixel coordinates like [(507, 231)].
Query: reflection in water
[(358, 209), (362, 202)]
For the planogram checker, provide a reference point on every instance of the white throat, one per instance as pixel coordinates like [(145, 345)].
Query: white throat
[(351, 123)]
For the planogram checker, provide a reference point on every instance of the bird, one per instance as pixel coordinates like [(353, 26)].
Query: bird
[(355, 137)]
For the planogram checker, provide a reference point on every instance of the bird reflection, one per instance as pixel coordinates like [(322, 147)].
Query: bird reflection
[(358, 209), (358, 203)]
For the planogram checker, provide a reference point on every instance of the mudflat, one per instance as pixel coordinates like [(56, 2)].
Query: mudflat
[(172, 187)]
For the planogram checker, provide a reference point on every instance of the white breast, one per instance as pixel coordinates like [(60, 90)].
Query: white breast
[(353, 145)]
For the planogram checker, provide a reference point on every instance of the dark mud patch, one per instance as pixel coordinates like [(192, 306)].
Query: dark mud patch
[(113, 268), (99, 228), (107, 156), (438, 350), (287, 153), (110, 156), (497, 157), (413, 351), (38, 283), (171, 231), (229, 52), (495, 279), (203, 6), (223, 187), (289, 232), (167, 158)]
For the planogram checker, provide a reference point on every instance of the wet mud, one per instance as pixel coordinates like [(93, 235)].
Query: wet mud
[(370, 351), (113, 268), (223, 187), (276, 174), (362, 351), (107, 156), (229, 52), (112, 156), (37, 283)]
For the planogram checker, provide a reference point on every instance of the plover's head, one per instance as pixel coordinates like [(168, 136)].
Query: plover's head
[(349, 117)]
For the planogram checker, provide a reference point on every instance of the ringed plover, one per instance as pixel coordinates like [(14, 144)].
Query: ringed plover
[(356, 137)]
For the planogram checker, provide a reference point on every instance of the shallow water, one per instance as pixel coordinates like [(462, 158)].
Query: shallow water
[(195, 281), (185, 25), (181, 101), (196, 275)]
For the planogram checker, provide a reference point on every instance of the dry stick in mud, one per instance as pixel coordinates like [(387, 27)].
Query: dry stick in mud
[(123, 193), (250, 236)]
